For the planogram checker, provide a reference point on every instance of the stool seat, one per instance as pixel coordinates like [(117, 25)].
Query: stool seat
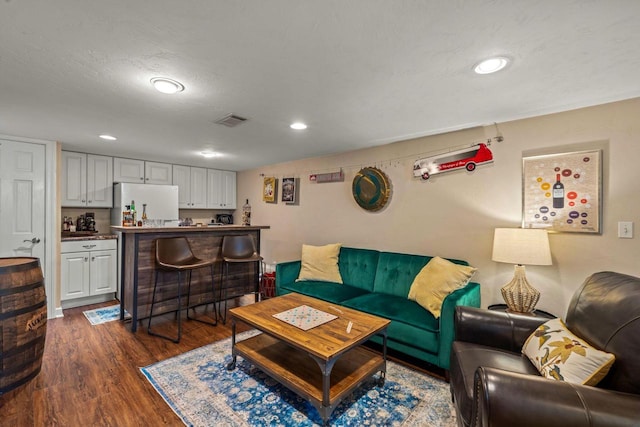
[(186, 264), (174, 254)]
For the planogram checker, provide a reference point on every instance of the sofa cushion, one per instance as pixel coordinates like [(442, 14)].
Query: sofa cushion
[(436, 280), (327, 291), (559, 354), (410, 323), (320, 263), (396, 272), (358, 267)]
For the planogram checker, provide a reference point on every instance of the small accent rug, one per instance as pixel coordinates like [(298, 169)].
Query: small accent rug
[(103, 315), (200, 390)]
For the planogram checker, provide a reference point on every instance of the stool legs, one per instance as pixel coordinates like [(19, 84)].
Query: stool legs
[(224, 277), (153, 300), (213, 293), (179, 309)]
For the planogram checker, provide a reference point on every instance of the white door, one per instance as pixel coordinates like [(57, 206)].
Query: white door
[(22, 199)]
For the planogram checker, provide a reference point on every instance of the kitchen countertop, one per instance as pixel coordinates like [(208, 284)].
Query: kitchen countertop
[(85, 237), (187, 229)]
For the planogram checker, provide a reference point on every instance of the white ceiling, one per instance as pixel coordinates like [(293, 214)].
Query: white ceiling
[(359, 72)]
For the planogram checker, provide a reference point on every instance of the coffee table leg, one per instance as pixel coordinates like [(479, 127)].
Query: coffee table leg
[(326, 367), (383, 372), (232, 365)]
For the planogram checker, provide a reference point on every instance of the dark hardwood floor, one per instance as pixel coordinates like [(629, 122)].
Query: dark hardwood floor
[(91, 374)]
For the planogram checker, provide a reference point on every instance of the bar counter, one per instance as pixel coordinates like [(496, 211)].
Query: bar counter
[(137, 272)]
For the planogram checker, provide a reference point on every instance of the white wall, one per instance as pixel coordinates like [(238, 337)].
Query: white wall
[(454, 214)]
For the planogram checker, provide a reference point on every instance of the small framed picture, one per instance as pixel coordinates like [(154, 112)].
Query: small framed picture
[(269, 189), (289, 190), (563, 192)]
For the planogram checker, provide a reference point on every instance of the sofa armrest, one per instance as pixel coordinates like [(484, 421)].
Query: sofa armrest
[(510, 399), (507, 331), (286, 272), (467, 296)]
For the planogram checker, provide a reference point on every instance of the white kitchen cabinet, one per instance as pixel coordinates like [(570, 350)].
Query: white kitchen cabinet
[(141, 172), (128, 170), (88, 271), (192, 186), (221, 189), (229, 189), (87, 180), (157, 173)]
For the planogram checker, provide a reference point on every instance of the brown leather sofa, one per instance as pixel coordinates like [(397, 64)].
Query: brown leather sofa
[(493, 384)]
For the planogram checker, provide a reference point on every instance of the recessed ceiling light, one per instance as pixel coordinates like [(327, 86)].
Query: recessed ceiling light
[(491, 65), (108, 137), (165, 85), (298, 126), (208, 154)]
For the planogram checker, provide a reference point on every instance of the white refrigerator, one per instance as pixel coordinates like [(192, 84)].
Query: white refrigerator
[(161, 201)]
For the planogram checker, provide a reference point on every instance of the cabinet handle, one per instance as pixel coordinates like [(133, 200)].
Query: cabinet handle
[(93, 258), (88, 246), (86, 259), (83, 200), (141, 179)]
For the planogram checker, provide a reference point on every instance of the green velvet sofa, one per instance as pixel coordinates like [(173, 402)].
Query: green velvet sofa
[(378, 283)]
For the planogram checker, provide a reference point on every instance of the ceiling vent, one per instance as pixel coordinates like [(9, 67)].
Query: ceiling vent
[(231, 120)]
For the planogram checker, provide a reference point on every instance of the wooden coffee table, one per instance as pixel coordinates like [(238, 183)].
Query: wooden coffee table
[(323, 364)]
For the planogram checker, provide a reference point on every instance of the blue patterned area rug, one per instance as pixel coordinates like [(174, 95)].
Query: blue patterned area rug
[(103, 315), (200, 390)]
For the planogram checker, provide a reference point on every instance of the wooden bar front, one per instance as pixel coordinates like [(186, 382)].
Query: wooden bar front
[(138, 269)]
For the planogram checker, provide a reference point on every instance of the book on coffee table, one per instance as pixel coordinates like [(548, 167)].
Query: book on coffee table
[(305, 317)]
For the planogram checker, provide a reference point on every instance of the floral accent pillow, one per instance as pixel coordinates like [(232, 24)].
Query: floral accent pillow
[(560, 355)]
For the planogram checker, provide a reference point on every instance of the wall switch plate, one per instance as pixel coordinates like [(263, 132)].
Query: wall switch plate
[(625, 230)]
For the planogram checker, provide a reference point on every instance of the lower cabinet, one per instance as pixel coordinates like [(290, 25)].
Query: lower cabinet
[(88, 271)]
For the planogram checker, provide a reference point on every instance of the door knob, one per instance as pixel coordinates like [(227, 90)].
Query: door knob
[(34, 240)]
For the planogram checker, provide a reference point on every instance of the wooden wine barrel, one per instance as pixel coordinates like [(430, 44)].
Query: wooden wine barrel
[(23, 321)]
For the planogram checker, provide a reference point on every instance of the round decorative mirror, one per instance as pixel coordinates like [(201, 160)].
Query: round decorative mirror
[(371, 189)]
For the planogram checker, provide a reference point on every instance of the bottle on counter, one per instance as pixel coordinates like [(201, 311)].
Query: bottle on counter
[(127, 220), (246, 213), (144, 214), (133, 213)]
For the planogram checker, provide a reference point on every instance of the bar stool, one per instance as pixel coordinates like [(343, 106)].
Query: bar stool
[(237, 249), (173, 254)]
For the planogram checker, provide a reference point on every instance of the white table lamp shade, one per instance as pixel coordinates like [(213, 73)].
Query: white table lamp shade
[(525, 246), (521, 246)]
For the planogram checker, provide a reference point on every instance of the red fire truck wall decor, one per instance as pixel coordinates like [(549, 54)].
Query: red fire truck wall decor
[(467, 158)]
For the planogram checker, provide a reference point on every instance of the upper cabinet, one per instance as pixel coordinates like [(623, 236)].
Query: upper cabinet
[(141, 172), (192, 186), (221, 189), (157, 173), (87, 180)]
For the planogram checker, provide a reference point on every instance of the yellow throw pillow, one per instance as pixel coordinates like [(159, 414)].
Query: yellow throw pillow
[(320, 263), (558, 354), (436, 280)]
